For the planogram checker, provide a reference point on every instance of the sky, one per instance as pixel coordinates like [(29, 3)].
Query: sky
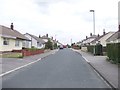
[(65, 20)]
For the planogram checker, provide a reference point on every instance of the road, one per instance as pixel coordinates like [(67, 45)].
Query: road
[(64, 69)]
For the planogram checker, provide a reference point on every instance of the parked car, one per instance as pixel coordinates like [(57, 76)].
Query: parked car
[(61, 47)]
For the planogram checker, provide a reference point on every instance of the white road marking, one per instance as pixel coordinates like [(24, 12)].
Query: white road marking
[(86, 60), (19, 67)]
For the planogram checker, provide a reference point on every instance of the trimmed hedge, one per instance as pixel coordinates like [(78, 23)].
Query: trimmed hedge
[(113, 52), (95, 49), (90, 48)]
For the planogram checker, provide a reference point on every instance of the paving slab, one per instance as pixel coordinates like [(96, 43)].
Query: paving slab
[(108, 70)]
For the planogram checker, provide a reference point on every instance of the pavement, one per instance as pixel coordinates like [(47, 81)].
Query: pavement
[(8, 64), (64, 69), (106, 69)]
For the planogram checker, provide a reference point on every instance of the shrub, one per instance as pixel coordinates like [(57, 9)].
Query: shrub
[(49, 45), (95, 49), (90, 48), (113, 52)]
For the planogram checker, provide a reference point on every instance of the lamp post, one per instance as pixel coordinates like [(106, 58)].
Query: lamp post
[(93, 11)]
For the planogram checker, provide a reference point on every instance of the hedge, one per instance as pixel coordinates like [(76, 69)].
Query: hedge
[(98, 49), (90, 48), (113, 52)]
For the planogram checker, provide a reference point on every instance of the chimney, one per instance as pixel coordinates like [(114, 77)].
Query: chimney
[(46, 35), (90, 34), (104, 32), (12, 26), (98, 35), (39, 36), (86, 37), (52, 38)]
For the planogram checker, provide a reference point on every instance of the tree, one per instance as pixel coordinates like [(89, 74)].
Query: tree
[(48, 45), (55, 46)]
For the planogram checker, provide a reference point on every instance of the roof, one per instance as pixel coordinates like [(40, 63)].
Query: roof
[(98, 38), (115, 36), (36, 38), (45, 37), (94, 36), (8, 32)]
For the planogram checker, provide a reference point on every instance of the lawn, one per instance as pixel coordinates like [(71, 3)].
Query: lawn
[(11, 55)]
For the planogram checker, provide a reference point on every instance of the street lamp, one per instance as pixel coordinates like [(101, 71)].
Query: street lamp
[(93, 11)]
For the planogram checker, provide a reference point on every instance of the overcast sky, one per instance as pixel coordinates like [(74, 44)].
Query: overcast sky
[(63, 19)]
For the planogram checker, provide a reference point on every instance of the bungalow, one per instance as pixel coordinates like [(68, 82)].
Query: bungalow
[(102, 39), (11, 39), (88, 40), (35, 41), (45, 37)]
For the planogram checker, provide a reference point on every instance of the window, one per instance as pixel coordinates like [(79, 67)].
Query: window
[(17, 43), (5, 41), (39, 44)]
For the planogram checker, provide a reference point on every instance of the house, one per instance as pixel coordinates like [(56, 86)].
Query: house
[(11, 39), (35, 41), (79, 43), (88, 40), (59, 44), (102, 39), (115, 38), (45, 38)]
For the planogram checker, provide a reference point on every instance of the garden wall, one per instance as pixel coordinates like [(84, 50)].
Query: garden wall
[(26, 52)]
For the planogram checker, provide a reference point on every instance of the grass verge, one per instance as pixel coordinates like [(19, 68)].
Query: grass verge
[(11, 55)]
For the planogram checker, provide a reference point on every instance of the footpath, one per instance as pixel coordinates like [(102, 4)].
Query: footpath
[(107, 70), (8, 65)]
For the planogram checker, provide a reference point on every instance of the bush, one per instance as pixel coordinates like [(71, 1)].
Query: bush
[(49, 45), (113, 52), (55, 46), (95, 49), (90, 48)]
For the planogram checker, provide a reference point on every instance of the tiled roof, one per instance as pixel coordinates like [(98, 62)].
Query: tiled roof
[(36, 38), (45, 37), (98, 38), (94, 36), (5, 31), (115, 36)]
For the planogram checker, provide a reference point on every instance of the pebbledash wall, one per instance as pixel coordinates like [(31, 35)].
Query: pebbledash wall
[(11, 46)]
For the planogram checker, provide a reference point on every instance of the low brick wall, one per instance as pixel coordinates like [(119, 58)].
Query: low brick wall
[(26, 52)]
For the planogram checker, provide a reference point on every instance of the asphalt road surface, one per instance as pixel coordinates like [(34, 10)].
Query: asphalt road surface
[(64, 69)]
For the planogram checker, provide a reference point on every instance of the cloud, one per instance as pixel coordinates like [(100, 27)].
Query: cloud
[(65, 18)]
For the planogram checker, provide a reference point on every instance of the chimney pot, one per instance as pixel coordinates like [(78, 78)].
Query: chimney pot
[(90, 34), (104, 32), (46, 35), (39, 36), (86, 37), (12, 26), (98, 35)]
